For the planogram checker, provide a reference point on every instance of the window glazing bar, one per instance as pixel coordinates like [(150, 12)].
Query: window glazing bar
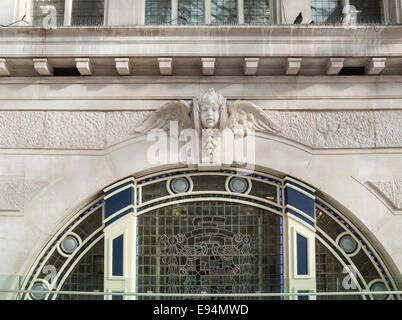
[(175, 10), (68, 9), (207, 12), (149, 294), (240, 11)]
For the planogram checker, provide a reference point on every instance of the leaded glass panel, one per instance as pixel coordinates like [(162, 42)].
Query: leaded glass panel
[(329, 272), (158, 11), (223, 12), (365, 266), (39, 12), (256, 11), (209, 246), (154, 191), (89, 224), (328, 224), (264, 190), (191, 12), (371, 11), (202, 183), (88, 275), (326, 11), (88, 12)]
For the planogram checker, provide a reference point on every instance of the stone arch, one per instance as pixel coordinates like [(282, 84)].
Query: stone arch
[(383, 255)]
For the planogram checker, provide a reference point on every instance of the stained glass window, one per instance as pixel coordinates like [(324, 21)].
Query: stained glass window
[(191, 12), (223, 12), (209, 246), (326, 11), (88, 275), (256, 12), (330, 274), (158, 11)]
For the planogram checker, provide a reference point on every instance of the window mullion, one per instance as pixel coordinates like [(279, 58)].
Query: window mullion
[(207, 12), (68, 8), (175, 11), (240, 11), (399, 11)]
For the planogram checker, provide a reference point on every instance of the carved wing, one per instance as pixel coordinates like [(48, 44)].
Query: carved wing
[(178, 111), (244, 116)]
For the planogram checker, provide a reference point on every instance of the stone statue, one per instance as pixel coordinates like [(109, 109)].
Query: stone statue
[(212, 121), (210, 111)]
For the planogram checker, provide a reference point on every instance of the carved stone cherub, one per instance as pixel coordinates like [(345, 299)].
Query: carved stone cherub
[(210, 112)]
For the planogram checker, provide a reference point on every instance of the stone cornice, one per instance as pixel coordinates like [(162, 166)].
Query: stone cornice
[(274, 41)]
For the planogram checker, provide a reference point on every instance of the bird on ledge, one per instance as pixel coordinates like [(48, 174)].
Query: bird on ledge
[(298, 19)]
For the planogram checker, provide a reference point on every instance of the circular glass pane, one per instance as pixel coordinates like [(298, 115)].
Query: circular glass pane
[(179, 185), (379, 286), (348, 244), (38, 286), (238, 185), (69, 244)]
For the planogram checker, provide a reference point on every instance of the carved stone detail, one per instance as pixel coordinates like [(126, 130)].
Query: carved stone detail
[(390, 190), (75, 130), (99, 130), (10, 195), (21, 129), (15, 193), (344, 130), (121, 126)]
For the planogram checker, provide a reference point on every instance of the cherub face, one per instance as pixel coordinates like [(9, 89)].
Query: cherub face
[(209, 115)]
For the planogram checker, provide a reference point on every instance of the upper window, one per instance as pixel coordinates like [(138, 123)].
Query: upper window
[(223, 12), (370, 11), (191, 12), (256, 12), (87, 13), (53, 9), (326, 11), (158, 11), (68, 12)]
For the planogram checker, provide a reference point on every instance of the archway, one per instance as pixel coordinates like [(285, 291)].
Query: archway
[(190, 231)]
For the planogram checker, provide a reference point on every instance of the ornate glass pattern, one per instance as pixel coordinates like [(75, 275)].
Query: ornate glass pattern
[(88, 12), (38, 14), (326, 11), (87, 275), (209, 182), (223, 12), (264, 190), (158, 11), (371, 11), (329, 272), (191, 12), (256, 12), (209, 246), (362, 259), (154, 191)]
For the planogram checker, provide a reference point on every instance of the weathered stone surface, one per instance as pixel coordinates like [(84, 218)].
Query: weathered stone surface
[(344, 129), (120, 125), (388, 128), (98, 130), (32, 188), (21, 129), (15, 193), (391, 191), (296, 126), (11, 194), (75, 130)]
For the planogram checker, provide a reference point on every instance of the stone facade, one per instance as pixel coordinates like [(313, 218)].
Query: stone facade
[(64, 139)]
